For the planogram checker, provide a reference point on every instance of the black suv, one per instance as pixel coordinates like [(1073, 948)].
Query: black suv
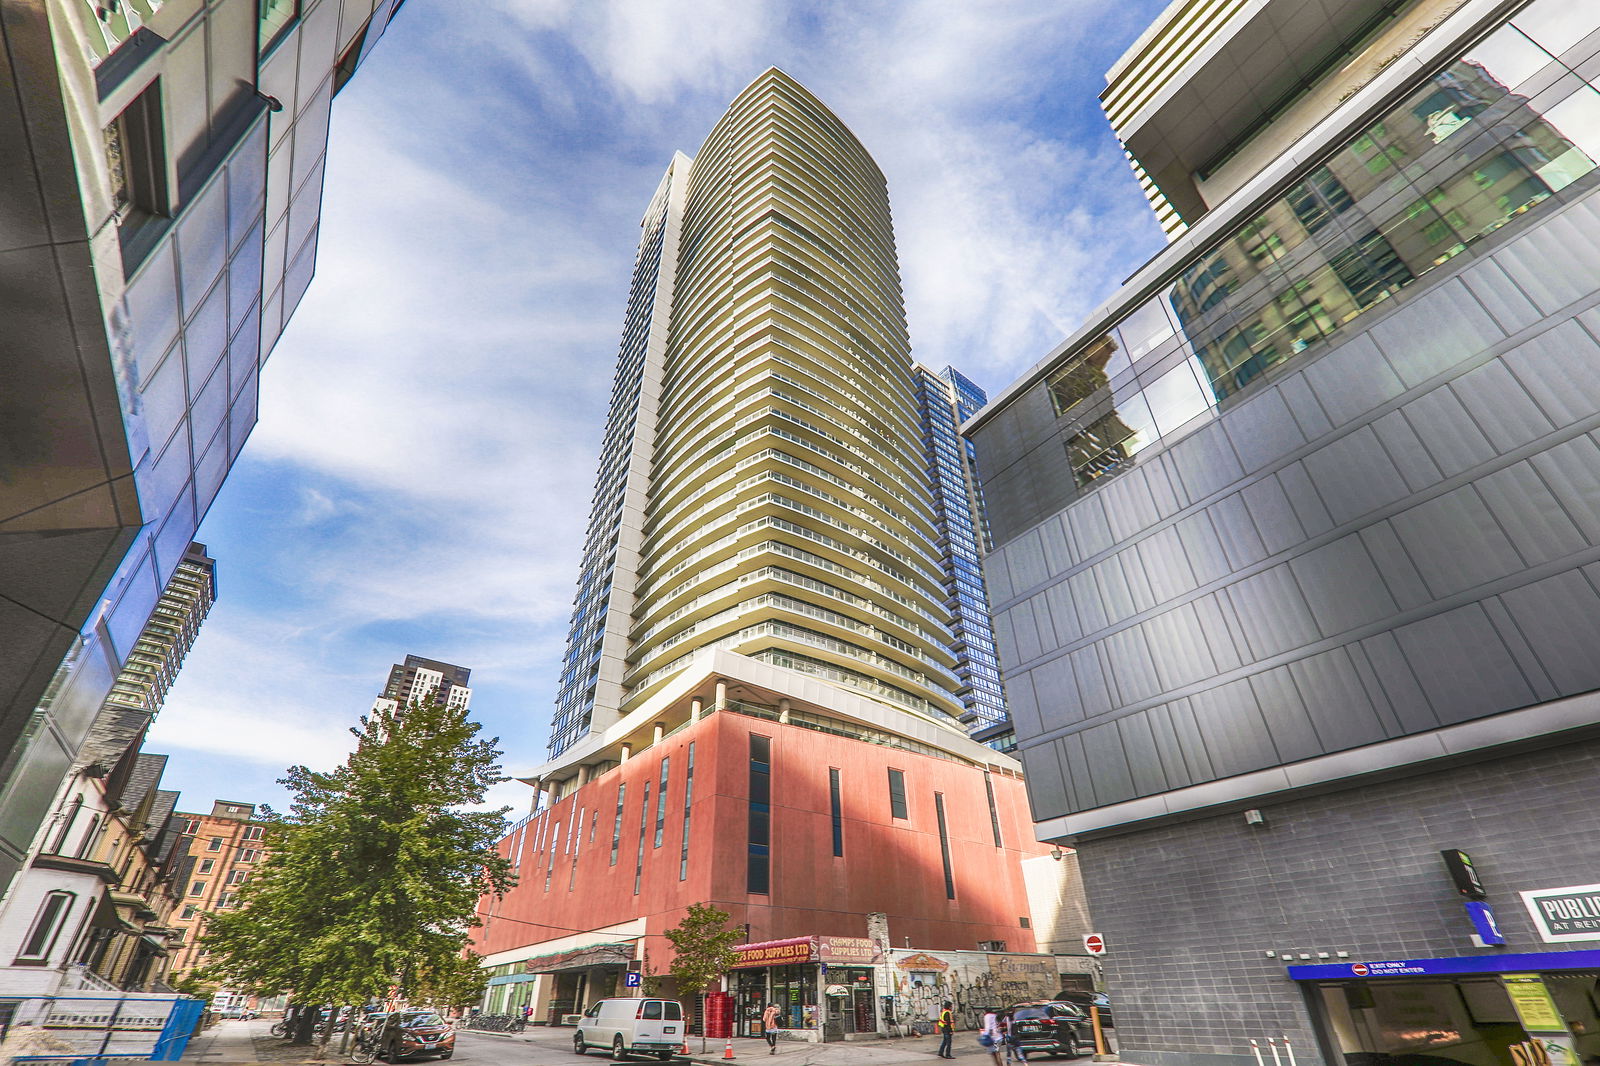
[(1051, 1028)]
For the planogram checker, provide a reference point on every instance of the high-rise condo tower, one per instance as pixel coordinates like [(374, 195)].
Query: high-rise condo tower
[(762, 487)]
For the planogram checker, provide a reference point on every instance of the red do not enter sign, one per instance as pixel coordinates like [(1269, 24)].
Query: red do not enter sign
[(1094, 944)]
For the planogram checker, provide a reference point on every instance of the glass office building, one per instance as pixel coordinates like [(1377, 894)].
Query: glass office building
[(162, 226), (1295, 539), (945, 400)]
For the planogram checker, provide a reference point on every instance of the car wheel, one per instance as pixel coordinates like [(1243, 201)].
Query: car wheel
[(617, 1051), (447, 1054), (578, 1046), (664, 1056)]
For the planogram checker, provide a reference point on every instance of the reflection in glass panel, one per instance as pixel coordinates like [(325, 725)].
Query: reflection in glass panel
[(1406, 195), (1556, 24), (275, 17), (1175, 398), (1145, 328)]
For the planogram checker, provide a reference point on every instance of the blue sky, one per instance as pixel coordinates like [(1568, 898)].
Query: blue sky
[(420, 477)]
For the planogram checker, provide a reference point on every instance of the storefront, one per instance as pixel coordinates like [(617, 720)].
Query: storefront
[(824, 987), (1537, 1009), (558, 985)]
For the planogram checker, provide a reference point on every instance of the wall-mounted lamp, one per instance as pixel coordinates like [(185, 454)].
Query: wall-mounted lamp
[(1254, 817), (1057, 854)]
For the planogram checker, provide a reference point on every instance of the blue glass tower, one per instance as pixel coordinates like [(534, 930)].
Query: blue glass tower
[(944, 401)]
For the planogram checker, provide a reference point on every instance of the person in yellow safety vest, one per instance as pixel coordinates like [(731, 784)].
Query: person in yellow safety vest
[(947, 1031)]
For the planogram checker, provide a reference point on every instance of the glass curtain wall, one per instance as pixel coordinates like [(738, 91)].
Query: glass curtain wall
[(1495, 135)]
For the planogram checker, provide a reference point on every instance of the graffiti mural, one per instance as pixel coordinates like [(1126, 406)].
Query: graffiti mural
[(972, 981)]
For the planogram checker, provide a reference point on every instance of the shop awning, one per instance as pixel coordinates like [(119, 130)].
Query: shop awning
[(1465, 964), (581, 958)]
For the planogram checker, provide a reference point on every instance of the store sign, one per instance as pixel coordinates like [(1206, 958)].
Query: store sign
[(777, 953), (1534, 1007), (921, 961), (847, 950), (1565, 914)]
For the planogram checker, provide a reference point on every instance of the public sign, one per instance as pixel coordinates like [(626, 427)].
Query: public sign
[(1534, 1007), (1094, 944), (1565, 914), (1359, 969), (632, 980)]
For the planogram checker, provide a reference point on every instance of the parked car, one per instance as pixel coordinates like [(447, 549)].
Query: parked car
[(236, 1012), (1051, 1029), (1084, 1000), (631, 1026), (422, 1034)]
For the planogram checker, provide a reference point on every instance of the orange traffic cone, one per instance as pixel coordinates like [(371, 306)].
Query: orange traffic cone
[(727, 1052), (684, 1050)]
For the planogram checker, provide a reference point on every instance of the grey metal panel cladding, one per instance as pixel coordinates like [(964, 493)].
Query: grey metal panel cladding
[(1352, 379), (1205, 461), (1342, 586), (1508, 417), (1055, 691), (1558, 368), (1530, 515), (1338, 705), (1452, 438), (1559, 615), (1325, 585), (1108, 764), (1456, 542), (1509, 306), (1262, 430), (1047, 783), (1435, 332), (1463, 666), (1572, 470), (1405, 449), (1354, 476)]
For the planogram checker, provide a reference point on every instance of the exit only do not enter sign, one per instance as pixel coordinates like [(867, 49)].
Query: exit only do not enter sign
[(1094, 943)]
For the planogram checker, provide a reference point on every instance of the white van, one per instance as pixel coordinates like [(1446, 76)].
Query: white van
[(632, 1026)]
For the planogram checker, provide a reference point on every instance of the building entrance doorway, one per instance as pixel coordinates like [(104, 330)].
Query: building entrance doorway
[(1461, 1021), (750, 996)]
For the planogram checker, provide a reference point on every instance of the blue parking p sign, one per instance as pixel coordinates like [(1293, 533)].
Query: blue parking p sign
[(631, 980)]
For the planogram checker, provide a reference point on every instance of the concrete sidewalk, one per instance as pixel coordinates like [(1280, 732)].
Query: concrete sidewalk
[(234, 1042)]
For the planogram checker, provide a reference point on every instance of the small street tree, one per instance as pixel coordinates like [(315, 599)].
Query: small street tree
[(372, 880), (704, 946)]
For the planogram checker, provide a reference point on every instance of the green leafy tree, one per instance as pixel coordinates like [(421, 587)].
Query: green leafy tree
[(704, 946), (372, 879)]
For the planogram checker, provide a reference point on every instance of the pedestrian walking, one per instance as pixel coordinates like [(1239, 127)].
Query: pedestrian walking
[(1013, 1046), (947, 1030), (769, 1027), (990, 1036)]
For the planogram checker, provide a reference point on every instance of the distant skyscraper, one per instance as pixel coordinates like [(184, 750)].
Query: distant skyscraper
[(419, 678), (945, 400), (141, 686), (762, 483)]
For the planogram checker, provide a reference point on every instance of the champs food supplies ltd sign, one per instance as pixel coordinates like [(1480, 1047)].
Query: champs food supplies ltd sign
[(1565, 914)]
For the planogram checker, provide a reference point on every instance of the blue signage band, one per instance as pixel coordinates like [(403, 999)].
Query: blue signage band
[(1543, 960)]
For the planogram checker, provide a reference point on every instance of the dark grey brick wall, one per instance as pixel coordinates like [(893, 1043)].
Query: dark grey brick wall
[(1190, 909)]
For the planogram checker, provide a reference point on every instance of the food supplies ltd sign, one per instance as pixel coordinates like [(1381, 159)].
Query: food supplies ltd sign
[(1563, 915), (776, 953)]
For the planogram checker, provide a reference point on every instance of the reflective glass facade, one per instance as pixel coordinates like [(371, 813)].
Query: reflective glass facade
[(166, 224), (1513, 124), (945, 400)]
